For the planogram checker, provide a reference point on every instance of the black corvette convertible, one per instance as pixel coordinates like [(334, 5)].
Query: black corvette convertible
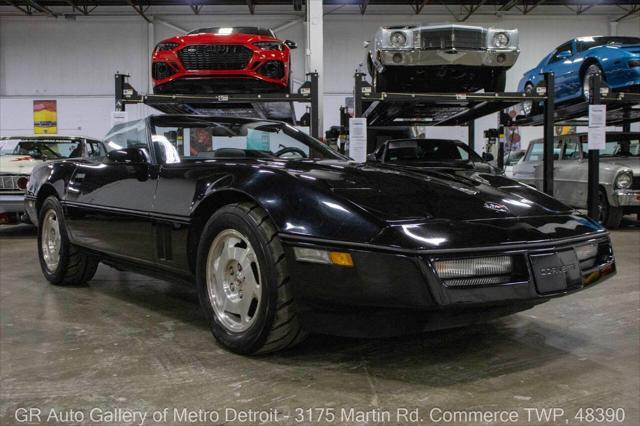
[(283, 236)]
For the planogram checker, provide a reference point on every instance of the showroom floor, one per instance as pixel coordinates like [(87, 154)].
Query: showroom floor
[(132, 342)]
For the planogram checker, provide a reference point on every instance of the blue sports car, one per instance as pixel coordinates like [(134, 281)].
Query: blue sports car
[(617, 59)]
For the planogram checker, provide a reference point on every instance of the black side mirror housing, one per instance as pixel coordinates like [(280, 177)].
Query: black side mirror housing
[(487, 156), (291, 44), (372, 157), (129, 156)]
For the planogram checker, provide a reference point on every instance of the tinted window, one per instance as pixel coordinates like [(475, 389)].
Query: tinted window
[(429, 150), (560, 50), (127, 135), (618, 146), (202, 138), (585, 43), (513, 157), (571, 150), (235, 30), (536, 151), (95, 150)]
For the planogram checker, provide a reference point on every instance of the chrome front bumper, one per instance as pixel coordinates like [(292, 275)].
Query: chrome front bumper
[(486, 57), (626, 197), (11, 203)]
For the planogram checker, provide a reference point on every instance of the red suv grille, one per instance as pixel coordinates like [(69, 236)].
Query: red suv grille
[(215, 57)]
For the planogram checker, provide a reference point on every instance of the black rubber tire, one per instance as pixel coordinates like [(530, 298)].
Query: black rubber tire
[(592, 68), (498, 82), (535, 106), (610, 217), (276, 326), (75, 266)]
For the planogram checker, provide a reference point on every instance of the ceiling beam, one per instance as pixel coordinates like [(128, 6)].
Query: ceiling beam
[(33, 4), (363, 6), (252, 6), (26, 10), (529, 7), (635, 10), (508, 5), (419, 5), (140, 9)]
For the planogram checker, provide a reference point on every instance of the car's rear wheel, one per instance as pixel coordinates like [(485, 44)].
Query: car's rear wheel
[(243, 282), (593, 69), (529, 107), (61, 262), (608, 215)]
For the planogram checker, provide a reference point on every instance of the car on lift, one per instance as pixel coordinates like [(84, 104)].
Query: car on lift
[(283, 236), (222, 60), (20, 154), (619, 172), (441, 58), (615, 58), (444, 154)]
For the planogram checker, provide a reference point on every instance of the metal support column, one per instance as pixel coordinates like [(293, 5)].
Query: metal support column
[(549, 112), (120, 78), (357, 95), (471, 134), (593, 190), (314, 129), (626, 125)]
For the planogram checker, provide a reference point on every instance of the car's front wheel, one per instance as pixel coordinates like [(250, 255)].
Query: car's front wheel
[(243, 282), (609, 216), (61, 262), (593, 69)]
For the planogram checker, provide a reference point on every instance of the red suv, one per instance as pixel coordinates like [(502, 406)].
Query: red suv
[(222, 60)]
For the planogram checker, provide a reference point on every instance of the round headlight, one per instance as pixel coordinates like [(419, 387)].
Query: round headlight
[(500, 39), (398, 39), (623, 180)]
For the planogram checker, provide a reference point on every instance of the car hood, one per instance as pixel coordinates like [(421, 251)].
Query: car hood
[(18, 164), (613, 163), (393, 193)]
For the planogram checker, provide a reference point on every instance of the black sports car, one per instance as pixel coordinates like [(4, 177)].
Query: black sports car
[(448, 154), (284, 236)]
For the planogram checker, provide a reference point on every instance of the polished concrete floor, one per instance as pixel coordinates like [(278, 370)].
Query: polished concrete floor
[(129, 342)]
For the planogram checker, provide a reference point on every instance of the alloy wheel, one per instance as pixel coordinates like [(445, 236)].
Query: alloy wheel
[(233, 280), (51, 240)]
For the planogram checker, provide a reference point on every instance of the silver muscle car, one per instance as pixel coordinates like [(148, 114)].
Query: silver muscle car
[(619, 173), (441, 58)]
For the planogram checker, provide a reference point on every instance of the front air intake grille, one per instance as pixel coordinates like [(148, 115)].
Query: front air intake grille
[(635, 183), (161, 70), (452, 38), (215, 57)]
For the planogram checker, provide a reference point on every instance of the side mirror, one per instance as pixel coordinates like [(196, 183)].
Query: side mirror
[(129, 156), (366, 44), (372, 157), (291, 44), (487, 156)]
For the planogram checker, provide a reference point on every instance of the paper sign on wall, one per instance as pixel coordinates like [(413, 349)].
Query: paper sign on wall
[(597, 126), (358, 139), (118, 117)]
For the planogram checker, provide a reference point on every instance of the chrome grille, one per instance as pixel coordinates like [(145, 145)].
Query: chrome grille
[(635, 182), (9, 183), (452, 38), (215, 57)]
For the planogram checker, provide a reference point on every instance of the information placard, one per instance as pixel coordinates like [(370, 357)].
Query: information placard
[(358, 139), (597, 126)]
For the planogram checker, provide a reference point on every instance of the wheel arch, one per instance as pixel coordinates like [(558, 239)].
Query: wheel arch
[(44, 192), (591, 61), (207, 207)]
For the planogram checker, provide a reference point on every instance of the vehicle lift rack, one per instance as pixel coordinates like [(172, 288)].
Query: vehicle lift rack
[(273, 106)]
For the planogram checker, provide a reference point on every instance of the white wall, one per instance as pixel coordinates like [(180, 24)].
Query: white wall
[(74, 61)]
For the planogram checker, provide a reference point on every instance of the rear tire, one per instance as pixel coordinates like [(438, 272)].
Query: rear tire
[(593, 69), (62, 263), (250, 308), (609, 216), (529, 107)]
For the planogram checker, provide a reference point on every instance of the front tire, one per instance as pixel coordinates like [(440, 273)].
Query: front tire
[(609, 216), (593, 69), (61, 262), (243, 282)]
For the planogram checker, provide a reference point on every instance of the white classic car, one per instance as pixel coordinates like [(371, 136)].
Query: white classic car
[(20, 154), (441, 58), (619, 173)]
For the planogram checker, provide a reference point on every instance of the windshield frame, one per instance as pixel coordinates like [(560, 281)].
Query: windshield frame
[(44, 141), (473, 157)]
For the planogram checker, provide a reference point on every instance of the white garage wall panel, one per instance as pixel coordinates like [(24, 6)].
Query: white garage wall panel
[(74, 61)]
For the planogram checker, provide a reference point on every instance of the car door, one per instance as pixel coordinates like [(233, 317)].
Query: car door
[(561, 64), (108, 202)]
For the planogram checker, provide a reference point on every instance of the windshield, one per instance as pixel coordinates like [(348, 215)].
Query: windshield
[(235, 30), (202, 138), (513, 157), (536, 151), (429, 150), (618, 146), (585, 43), (42, 149)]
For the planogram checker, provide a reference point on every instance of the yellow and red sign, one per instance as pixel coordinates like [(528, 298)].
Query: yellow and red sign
[(45, 117)]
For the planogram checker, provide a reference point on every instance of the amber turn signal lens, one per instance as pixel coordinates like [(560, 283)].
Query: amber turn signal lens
[(340, 258)]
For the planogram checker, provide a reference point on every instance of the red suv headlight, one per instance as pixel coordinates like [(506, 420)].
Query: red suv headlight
[(161, 47), (268, 45)]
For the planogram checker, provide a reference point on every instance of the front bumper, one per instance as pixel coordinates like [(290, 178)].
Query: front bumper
[(481, 57), (388, 293), (11, 203), (627, 197)]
